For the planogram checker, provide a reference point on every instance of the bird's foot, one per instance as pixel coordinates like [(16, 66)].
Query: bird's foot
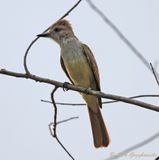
[(65, 84), (87, 90)]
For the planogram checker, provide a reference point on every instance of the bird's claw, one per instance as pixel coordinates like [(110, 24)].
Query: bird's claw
[(65, 86), (87, 90)]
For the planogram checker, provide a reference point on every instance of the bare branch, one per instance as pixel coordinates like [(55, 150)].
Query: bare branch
[(26, 54), (67, 13), (154, 73), (120, 34), (106, 102), (64, 104), (55, 110), (66, 120), (81, 89), (134, 97), (54, 133), (157, 158), (63, 121), (134, 147)]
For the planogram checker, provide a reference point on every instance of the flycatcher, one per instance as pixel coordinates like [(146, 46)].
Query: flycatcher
[(80, 66)]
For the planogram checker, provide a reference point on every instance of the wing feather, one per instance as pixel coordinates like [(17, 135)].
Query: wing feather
[(93, 65), (64, 69)]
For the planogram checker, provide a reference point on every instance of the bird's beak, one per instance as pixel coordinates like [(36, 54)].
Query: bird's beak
[(45, 34)]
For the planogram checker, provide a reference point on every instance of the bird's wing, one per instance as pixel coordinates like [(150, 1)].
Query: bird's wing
[(93, 65), (64, 69)]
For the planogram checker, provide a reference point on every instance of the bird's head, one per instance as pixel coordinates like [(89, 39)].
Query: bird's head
[(59, 31)]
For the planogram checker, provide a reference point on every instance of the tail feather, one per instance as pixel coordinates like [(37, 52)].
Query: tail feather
[(100, 133)]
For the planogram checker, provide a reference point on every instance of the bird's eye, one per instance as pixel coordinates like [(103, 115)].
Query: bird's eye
[(57, 29)]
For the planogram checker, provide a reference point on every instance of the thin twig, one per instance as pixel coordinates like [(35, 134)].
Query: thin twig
[(106, 102), (63, 121), (66, 120), (154, 73), (157, 158), (31, 44), (68, 12), (26, 54), (134, 147), (54, 134), (134, 97), (55, 110), (64, 104), (81, 89), (120, 34)]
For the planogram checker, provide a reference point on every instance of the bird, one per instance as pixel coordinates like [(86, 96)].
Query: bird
[(79, 65)]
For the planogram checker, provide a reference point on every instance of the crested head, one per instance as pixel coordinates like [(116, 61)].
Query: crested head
[(63, 24), (61, 31)]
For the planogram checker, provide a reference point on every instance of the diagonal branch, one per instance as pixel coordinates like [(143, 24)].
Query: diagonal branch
[(63, 121), (157, 158), (120, 34), (81, 89), (68, 12), (134, 147), (154, 73)]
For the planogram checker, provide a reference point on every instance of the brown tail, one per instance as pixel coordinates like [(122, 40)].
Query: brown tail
[(100, 133)]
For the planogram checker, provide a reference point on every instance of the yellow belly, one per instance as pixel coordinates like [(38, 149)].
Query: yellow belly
[(80, 72)]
